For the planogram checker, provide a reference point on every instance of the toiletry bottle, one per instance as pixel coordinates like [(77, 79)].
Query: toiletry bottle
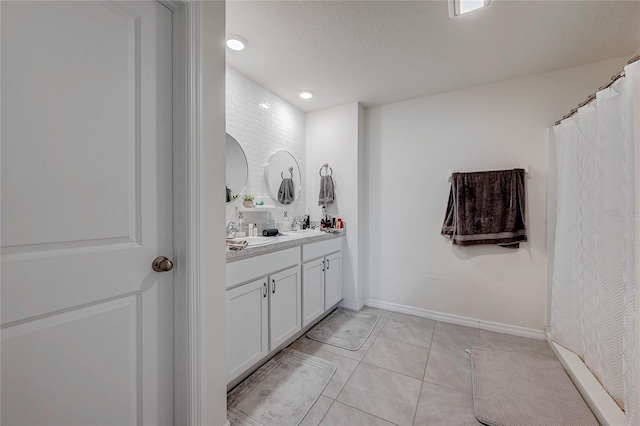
[(241, 226)]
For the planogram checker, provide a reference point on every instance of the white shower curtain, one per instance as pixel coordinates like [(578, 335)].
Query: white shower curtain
[(594, 305)]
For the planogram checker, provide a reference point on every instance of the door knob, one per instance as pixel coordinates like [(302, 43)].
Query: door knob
[(162, 264)]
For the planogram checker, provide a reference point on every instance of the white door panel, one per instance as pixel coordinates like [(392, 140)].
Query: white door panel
[(61, 59), (29, 350), (86, 207)]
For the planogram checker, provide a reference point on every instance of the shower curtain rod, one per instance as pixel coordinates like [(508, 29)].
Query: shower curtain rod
[(593, 95)]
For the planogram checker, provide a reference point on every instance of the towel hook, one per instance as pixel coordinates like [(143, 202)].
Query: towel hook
[(290, 171), (326, 165)]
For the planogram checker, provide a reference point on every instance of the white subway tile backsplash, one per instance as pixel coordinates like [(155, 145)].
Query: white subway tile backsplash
[(261, 132)]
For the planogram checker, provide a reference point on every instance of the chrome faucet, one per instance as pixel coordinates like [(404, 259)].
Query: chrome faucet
[(231, 229), (295, 223)]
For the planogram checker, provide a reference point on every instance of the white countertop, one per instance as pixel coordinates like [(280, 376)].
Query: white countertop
[(291, 239)]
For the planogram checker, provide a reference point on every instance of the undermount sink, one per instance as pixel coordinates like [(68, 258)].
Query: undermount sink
[(306, 232), (256, 241)]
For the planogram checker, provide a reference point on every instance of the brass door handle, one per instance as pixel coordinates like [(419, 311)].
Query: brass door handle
[(273, 289), (162, 264)]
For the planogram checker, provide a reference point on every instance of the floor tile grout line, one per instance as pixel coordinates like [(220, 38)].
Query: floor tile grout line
[(358, 365), (447, 387), (401, 341), (354, 370), (391, 371), (366, 412), (424, 373), (333, 401)]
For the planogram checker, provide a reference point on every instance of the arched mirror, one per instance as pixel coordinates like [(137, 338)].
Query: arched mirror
[(282, 177), (237, 169)]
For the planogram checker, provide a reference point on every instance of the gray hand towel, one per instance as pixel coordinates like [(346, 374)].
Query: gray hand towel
[(487, 208), (286, 193), (326, 191)]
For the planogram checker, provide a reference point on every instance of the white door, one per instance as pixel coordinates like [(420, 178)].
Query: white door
[(285, 318), (247, 326), (312, 291), (86, 207), (332, 280)]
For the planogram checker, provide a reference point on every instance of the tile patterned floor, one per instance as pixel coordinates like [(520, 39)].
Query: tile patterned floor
[(410, 371)]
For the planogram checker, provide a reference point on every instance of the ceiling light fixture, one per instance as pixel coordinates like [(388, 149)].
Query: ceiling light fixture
[(265, 105), (236, 42), (459, 7), (306, 94)]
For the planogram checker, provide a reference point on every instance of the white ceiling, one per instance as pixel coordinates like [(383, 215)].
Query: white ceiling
[(386, 51)]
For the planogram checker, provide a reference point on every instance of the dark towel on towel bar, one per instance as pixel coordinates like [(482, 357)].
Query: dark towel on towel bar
[(286, 193), (326, 196), (486, 208)]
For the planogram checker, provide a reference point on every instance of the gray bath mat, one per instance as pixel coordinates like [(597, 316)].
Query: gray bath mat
[(281, 392), (344, 329), (515, 389)]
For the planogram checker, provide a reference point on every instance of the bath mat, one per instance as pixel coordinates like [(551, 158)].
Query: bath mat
[(281, 392), (515, 389), (344, 329)]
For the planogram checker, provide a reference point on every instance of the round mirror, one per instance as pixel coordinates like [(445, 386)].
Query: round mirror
[(282, 177), (237, 169)]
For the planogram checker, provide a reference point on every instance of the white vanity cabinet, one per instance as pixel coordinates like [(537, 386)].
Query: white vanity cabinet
[(333, 279), (312, 290), (263, 312), (284, 305), (321, 278), (272, 297), (247, 326)]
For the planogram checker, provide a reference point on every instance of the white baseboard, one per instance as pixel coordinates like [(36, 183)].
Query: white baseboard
[(600, 402), (458, 319), (352, 306)]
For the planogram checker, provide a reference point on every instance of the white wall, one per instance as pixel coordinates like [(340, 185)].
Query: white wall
[(414, 145), (261, 132), (333, 137)]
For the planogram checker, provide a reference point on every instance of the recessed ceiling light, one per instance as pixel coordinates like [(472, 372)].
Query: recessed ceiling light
[(236, 42), (265, 105), (306, 94), (459, 7)]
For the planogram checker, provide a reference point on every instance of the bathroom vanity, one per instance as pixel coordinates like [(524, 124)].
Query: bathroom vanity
[(277, 292)]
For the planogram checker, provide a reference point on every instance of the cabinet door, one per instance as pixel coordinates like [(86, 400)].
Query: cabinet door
[(312, 291), (285, 300), (333, 280), (247, 329)]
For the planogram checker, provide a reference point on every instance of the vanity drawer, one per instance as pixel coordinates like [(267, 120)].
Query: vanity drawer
[(245, 270), (322, 248)]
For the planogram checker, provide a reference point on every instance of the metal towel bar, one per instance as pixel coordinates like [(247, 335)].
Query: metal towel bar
[(326, 166)]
